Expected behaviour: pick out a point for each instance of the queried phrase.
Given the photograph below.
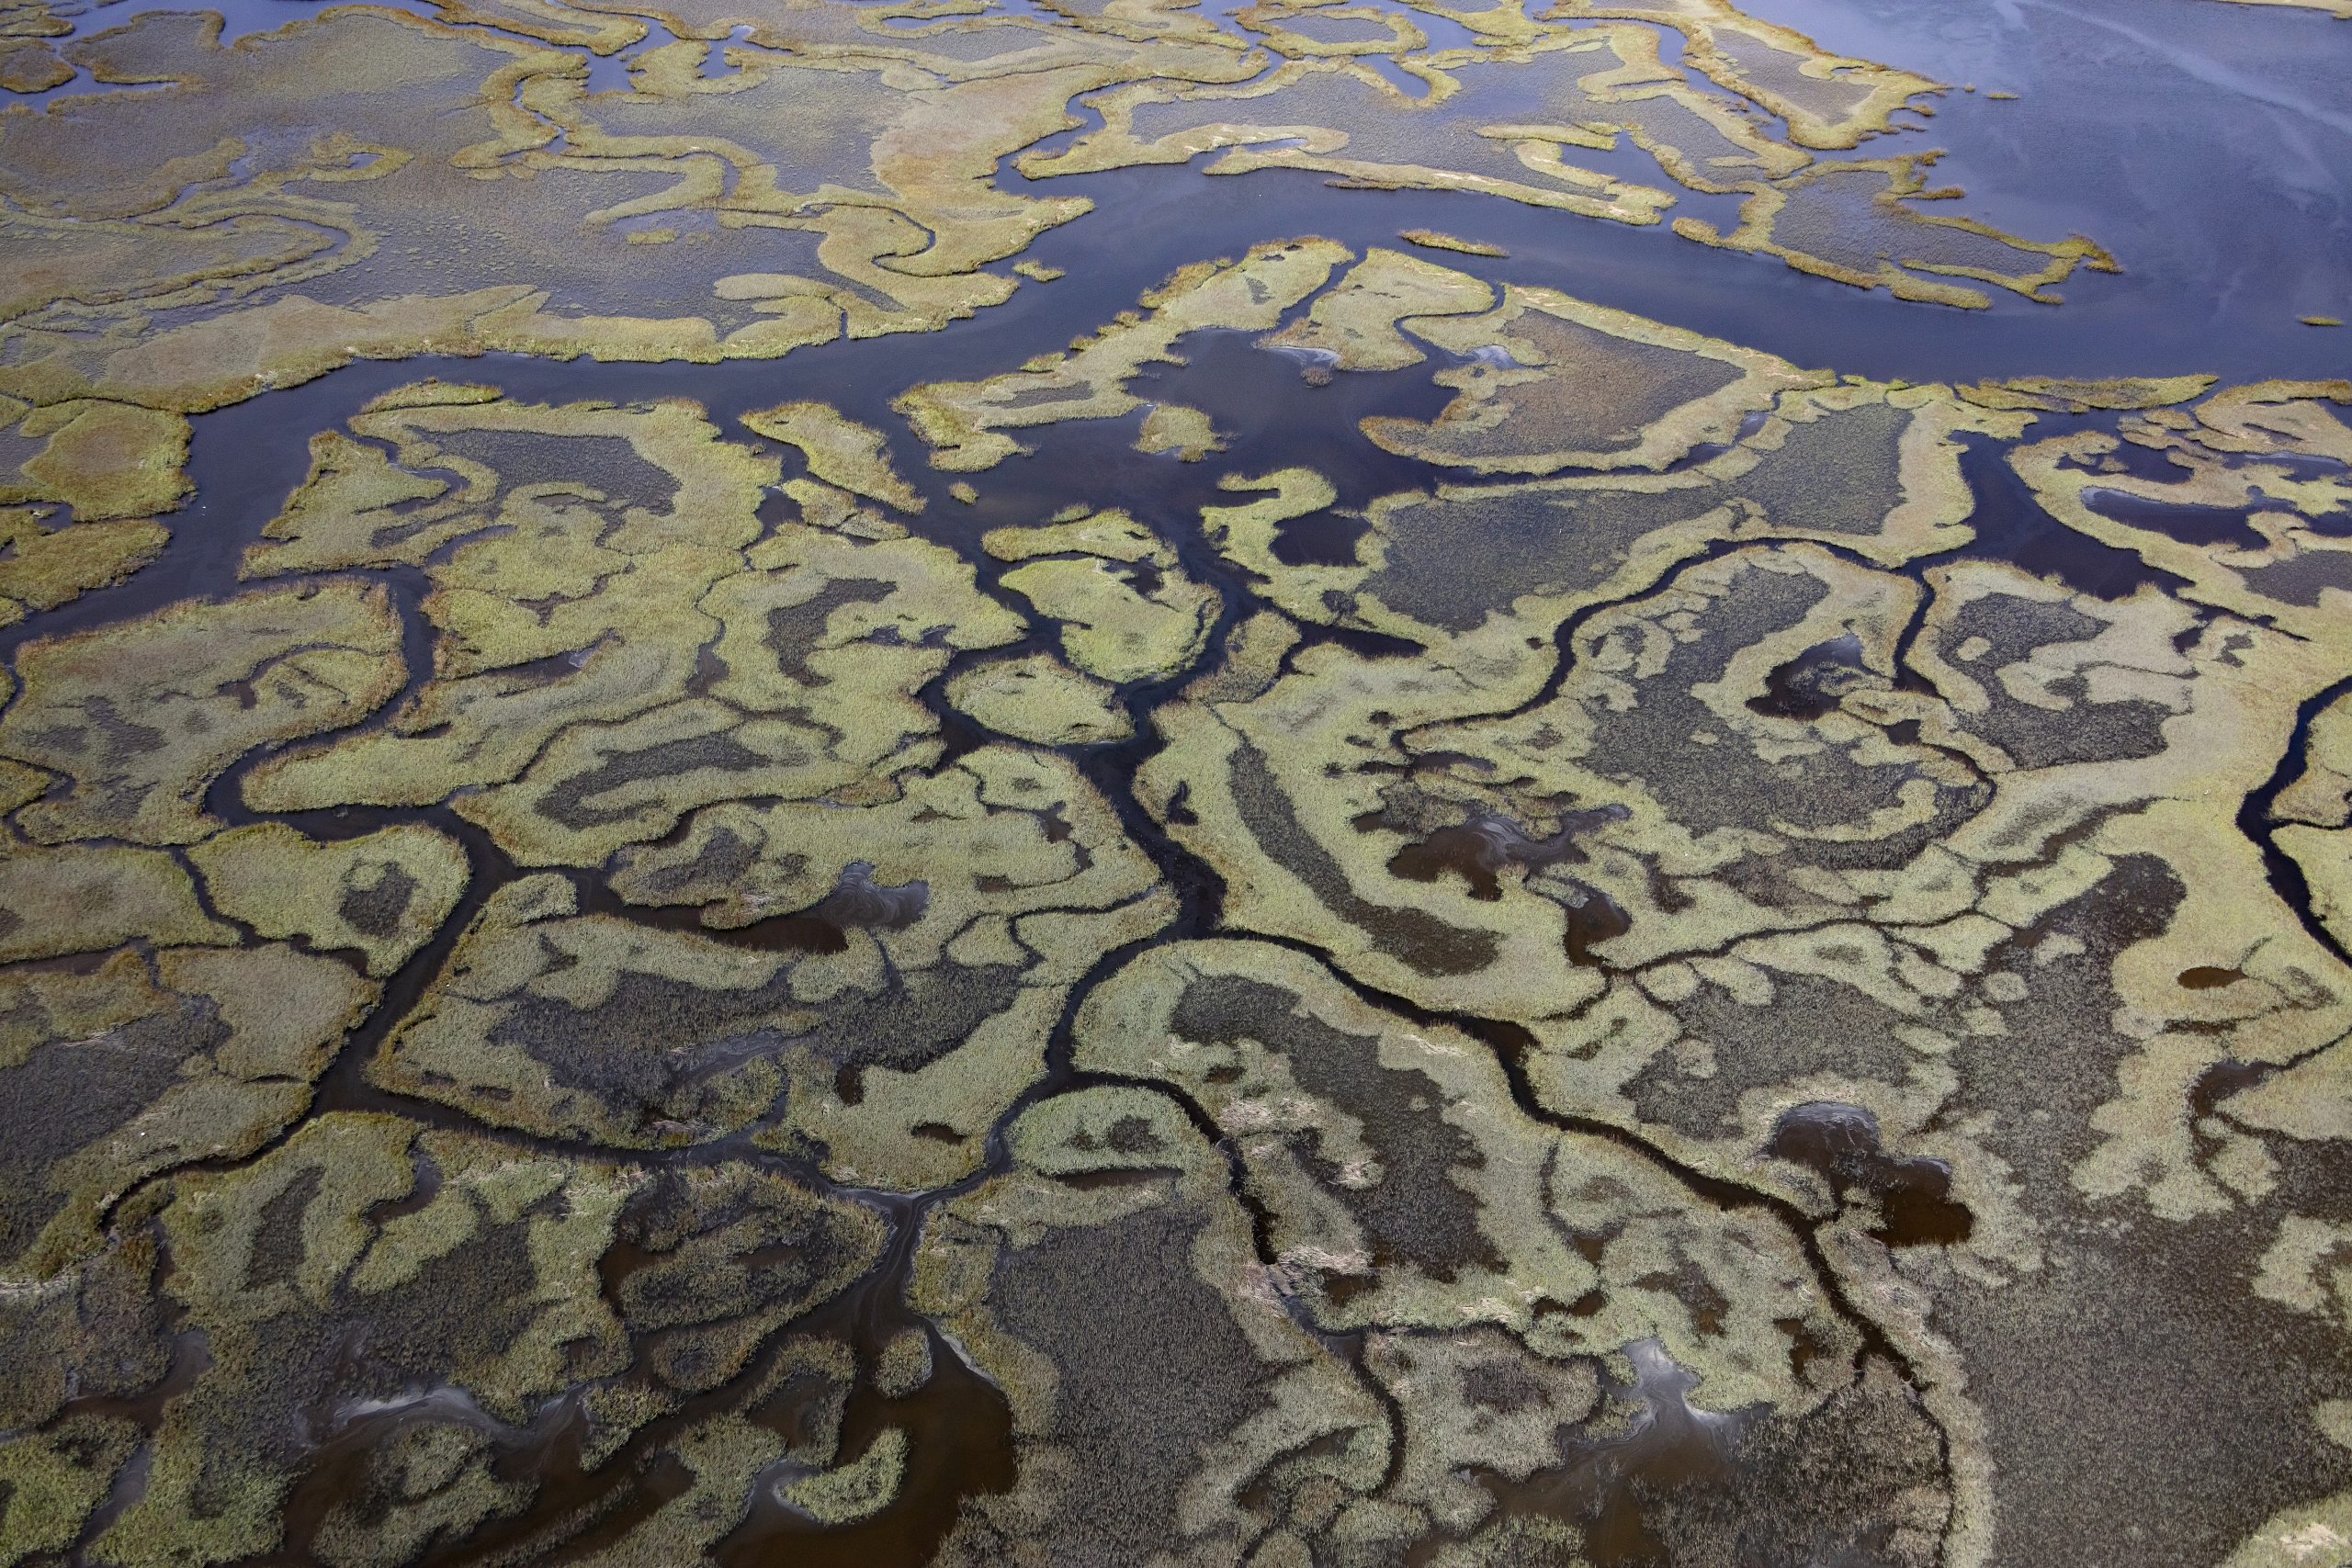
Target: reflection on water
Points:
(1658, 1443)
(2216, 137)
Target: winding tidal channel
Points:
(1340, 784)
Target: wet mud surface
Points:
(1311, 784)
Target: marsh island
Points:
(1341, 783)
